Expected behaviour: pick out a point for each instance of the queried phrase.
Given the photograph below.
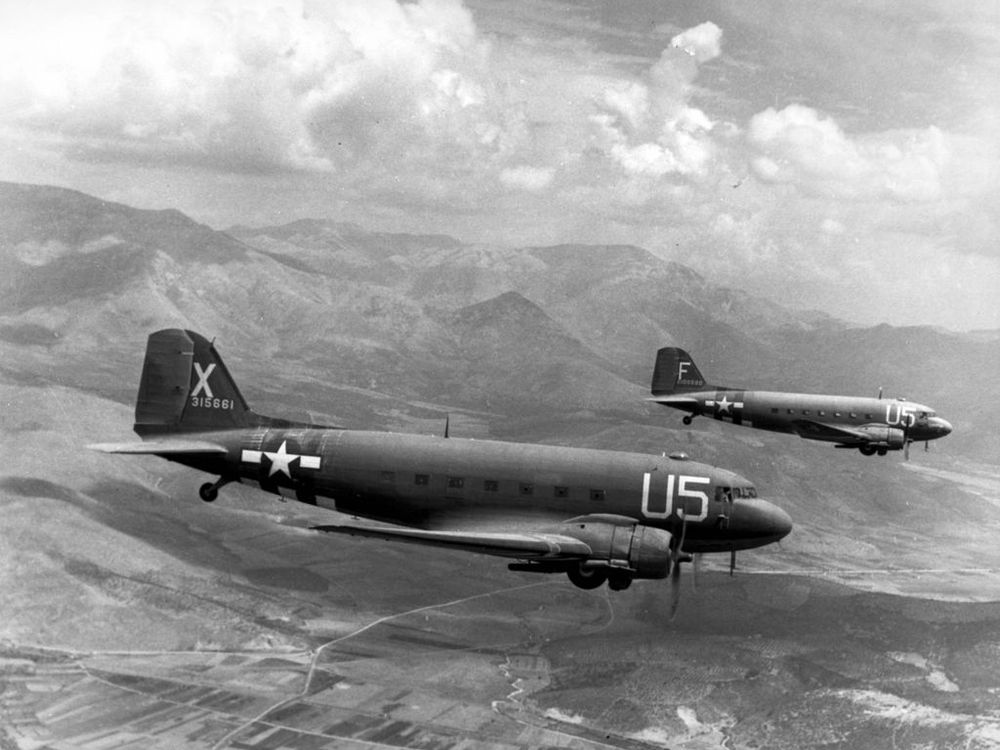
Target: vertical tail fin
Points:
(185, 387)
(675, 372)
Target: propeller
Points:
(906, 437)
(677, 556)
(732, 561)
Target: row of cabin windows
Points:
(820, 413)
(722, 494)
(489, 485)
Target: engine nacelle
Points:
(883, 436)
(642, 551)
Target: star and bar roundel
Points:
(727, 405)
(281, 461)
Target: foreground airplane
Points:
(598, 516)
(872, 425)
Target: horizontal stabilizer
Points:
(680, 401)
(160, 447)
(518, 545)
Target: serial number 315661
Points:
(204, 402)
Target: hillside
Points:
(163, 616)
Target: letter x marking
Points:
(203, 379)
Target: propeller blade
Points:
(695, 569)
(732, 561)
(675, 587)
(906, 450)
(676, 557)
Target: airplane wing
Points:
(811, 430)
(520, 545)
(160, 447)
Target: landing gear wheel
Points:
(867, 450)
(619, 581)
(688, 419)
(208, 492)
(883, 451)
(587, 578)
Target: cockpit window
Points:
(728, 494)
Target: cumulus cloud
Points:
(400, 97)
(799, 146)
(267, 85)
(703, 42)
(648, 127)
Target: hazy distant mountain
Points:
(333, 318)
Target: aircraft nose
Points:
(763, 521)
(941, 426)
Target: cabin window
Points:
(491, 485)
(525, 489)
(456, 483)
(597, 494)
(774, 410)
(421, 479)
(837, 414)
(821, 413)
(853, 415)
(806, 411)
(560, 491)
(791, 411)
(869, 416)
(723, 494)
(387, 476)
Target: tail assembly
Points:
(675, 372)
(185, 387)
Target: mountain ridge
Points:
(542, 330)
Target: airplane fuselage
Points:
(597, 516)
(872, 425)
(885, 423)
(435, 482)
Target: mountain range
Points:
(352, 317)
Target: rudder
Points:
(185, 387)
(674, 372)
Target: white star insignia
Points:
(281, 460)
(723, 405)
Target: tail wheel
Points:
(688, 419)
(587, 578)
(210, 490)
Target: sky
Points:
(835, 155)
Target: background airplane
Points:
(872, 425)
(598, 516)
